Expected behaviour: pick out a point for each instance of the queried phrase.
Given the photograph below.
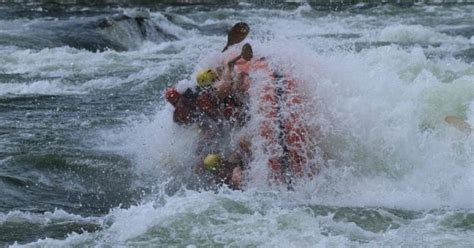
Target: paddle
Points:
(459, 124)
(246, 53)
(237, 34)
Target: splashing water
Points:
(90, 130)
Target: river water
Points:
(89, 154)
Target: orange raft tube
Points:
(282, 126)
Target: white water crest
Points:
(45, 218)
(266, 219)
(416, 34)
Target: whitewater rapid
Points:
(379, 83)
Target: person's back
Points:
(185, 108)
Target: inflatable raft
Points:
(277, 109)
(280, 112)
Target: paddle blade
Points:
(237, 34)
(247, 52)
(458, 123)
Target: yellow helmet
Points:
(212, 162)
(206, 77)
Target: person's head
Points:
(206, 77)
(172, 95)
(212, 162)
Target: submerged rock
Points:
(125, 32)
(119, 32)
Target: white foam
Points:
(101, 83)
(158, 146)
(390, 159)
(237, 218)
(42, 87)
(256, 218)
(72, 239)
(416, 34)
(168, 26)
(303, 8)
(45, 218)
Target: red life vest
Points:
(185, 108)
(189, 105)
(208, 103)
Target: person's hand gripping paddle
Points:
(237, 34)
(246, 53)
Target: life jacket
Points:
(230, 107)
(185, 108)
(191, 105)
(208, 103)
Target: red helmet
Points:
(172, 95)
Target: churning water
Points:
(90, 156)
